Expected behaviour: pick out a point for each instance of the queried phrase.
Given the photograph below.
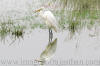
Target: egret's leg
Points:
(49, 35)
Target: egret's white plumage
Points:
(49, 18)
(50, 21)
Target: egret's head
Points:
(39, 10)
(43, 8)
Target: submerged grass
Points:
(18, 31)
(8, 28)
(74, 22)
(5, 29)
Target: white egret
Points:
(48, 52)
(50, 21)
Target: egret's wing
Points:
(50, 50)
(51, 20)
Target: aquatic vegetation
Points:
(72, 15)
(18, 31)
(5, 29)
(9, 29)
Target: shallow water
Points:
(30, 47)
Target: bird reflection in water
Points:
(48, 52)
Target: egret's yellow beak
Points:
(38, 10)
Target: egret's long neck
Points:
(41, 14)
